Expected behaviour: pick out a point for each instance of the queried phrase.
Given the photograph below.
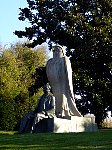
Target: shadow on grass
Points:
(79, 141)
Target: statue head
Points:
(58, 51)
(46, 88)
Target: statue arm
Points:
(51, 111)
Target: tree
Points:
(18, 66)
(85, 28)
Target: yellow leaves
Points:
(18, 65)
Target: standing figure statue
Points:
(59, 74)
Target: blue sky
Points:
(9, 22)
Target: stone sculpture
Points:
(57, 112)
(44, 109)
(59, 74)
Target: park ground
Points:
(100, 140)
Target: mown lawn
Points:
(101, 140)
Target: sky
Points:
(9, 22)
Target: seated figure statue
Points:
(44, 109)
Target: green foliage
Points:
(18, 66)
(85, 28)
(75, 21)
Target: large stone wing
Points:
(69, 81)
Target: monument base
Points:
(67, 125)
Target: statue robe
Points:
(59, 74)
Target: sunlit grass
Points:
(7, 132)
(101, 140)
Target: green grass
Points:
(101, 140)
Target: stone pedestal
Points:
(67, 125)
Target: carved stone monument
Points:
(68, 118)
(59, 73)
(57, 112)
